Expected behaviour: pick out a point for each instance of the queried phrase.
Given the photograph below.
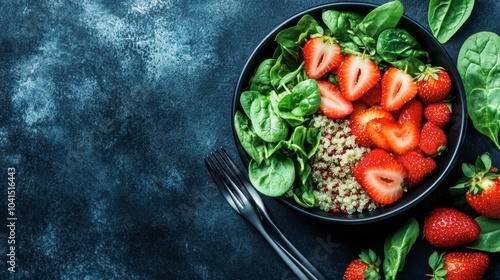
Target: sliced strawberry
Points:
(417, 165)
(398, 88)
(321, 55)
(358, 124)
(373, 157)
(374, 130)
(357, 75)
(358, 108)
(333, 104)
(413, 110)
(383, 182)
(402, 137)
(372, 96)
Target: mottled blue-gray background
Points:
(107, 109)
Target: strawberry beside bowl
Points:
(283, 134)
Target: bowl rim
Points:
(380, 213)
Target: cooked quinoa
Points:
(336, 189)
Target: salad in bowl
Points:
(349, 112)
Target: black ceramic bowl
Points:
(455, 130)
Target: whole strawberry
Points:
(459, 265)
(438, 113)
(365, 267)
(482, 182)
(446, 227)
(418, 166)
(433, 83)
(432, 139)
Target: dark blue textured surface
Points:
(107, 109)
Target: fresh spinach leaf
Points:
(479, 68)
(246, 99)
(445, 17)
(303, 100)
(396, 44)
(397, 246)
(341, 23)
(278, 71)
(249, 140)
(274, 176)
(304, 195)
(381, 18)
(267, 124)
(411, 65)
(489, 238)
(261, 79)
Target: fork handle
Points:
(295, 254)
(284, 255)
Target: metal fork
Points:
(232, 184)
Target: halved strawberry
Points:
(359, 121)
(357, 75)
(398, 88)
(358, 108)
(413, 110)
(373, 96)
(417, 165)
(402, 137)
(333, 104)
(373, 157)
(374, 130)
(383, 182)
(321, 55)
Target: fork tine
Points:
(221, 185)
(231, 183)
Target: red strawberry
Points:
(482, 183)
(372, 96)
(333, 104)
(382, 180)
(321, 55)
(373, 157)
(367, 266)
(358, 108)
(446, 227)
(438, 113)
(417, 165)
(402, 138)
(433, 83)
(432, 139)
(374, 130)
(398, 88)
(358, 124)
(459, 265)
(413, 110)
(357, 75)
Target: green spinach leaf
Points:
(249, 140)
(479, 68)
(304, 195)
(445, 17)
(489, 238)
(397, 246)
(303, 100)
(397, 44)
(266, 122)
(381, 18)
(246, 99)
(261, 79)
(341, 23)
(274, 176)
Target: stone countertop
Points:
(108, 108)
